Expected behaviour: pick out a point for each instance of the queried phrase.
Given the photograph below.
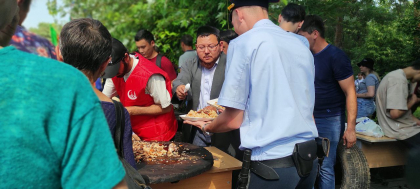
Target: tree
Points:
(168, 20)
(385, 30)
(43, 29)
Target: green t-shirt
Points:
(53, 132)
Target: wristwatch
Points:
(203, 128)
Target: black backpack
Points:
(132, 177)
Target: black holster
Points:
(243, 176)
(323, 147)
(304, 155)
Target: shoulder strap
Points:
(119, 128)
(158, 60)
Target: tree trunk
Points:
(417, 32)
(338, 40)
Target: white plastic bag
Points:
(368, 127)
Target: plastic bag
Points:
(366, 126)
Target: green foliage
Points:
(385, 30)
(168, 20)
(43, 30)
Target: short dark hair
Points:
(187, 40)
(85, 44)
(208, 30)
(228, 35)
(416, 64)
(312, 23)
(293, 13)
(144, 34)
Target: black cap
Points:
(241, 3)
(118, 52)
(367, 62)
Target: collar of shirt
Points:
(135, 62)
(262, 23)
(203, 68)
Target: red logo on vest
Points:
(131, 95)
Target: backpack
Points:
(132, 176)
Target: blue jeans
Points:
(289, 179)
(201, 140)
(333, 129)
(365, 107)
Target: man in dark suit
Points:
(205, 73)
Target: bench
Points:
(382, 152)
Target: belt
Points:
(265, 169)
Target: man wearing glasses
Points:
(205, 74)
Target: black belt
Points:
(265, 169)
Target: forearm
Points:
(154, 109)
(351, 106)
(230, 119)
(416, 120)
(395, 113)
(410, 104)
(364, 95)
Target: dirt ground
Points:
(388, 177)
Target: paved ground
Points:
(387, 178)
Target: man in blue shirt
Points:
(334, 93)
(269, 94)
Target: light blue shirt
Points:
(303, 39)
(206, 83)
(270, 75)
(205, 90)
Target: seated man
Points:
(205, 74)
(394, 102)
(145, 43)
(144, 90)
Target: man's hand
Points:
(210, 108)
(130, 109)
(198, 124)
(180, 92)
(135, 137)
(349, 138)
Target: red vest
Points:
(132, 93)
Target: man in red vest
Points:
(143, 89)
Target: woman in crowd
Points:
(366, 89)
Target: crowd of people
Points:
(283, 86)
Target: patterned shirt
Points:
(29, 42)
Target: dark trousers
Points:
(289, 179)
(412, 168)
(413, 142)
